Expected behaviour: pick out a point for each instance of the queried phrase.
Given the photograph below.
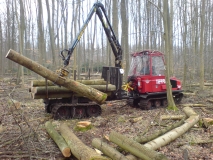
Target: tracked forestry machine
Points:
(145, 88)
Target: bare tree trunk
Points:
(1, 49)
(202, 19)
(21, 26)
(41, 39)
(125, 39)
(171, 103)
(51, 32)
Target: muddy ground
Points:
(23, 136)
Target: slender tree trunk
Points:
(51, 33)
(202, 19)
(171, 103)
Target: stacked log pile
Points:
(41, 89)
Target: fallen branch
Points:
(144, 139)
(172, 117)
(194, 105)
(175, 133)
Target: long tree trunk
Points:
(75, 86)
(202, 19)
(51, 34)
(78, 148)
(171, 103)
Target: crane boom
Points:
(115, 45)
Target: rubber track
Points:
(57, 106)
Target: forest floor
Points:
(23, 136)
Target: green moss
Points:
(83, 129)
(173, 108)
(121, 119)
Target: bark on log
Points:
(50, 89)
(56, 89)
(207, 122)
(134, 147)
(36, 83)
(189, 111)
(107, 149)
(194, 105)
(58, 139)
(44, 96)
(175, 133)
(144, 139)
(56, 95)
(77, 87)
(78, 148)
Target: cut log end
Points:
(66, 152)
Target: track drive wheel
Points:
(146, 104)
(78, 112)
(47, 108)
(157, 103)
(165, 103)
(93, 111)
(62, 112)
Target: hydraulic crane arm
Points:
(116, 47)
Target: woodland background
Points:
(40, 29)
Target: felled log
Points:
(210, 100)
(107, 149)
(55, 95)
(79, 88)
(58, 139)
(144, 139)
(78, 148)
(197, 84)
(194, 105)
(56, 89)
(172, 117)
(207, 122)
(36, 83)
(189, 94)
(175, 133)
(134, 147)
